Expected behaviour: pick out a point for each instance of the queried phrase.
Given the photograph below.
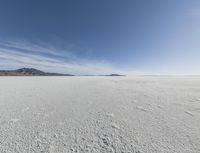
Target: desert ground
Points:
(140, 114)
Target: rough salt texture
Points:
(144, 114)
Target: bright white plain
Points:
(141, 114)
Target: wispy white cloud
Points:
(17, 54)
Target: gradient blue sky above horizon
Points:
(101, 36)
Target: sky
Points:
(91, 37)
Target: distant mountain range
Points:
(29, 72)
(35, 72)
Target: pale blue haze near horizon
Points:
(101, 36)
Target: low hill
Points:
(115, 75)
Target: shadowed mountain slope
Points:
(29, 72)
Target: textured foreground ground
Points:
(100, 114)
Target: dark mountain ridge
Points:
(29, 72)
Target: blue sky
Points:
(101, 36)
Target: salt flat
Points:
(141, 114)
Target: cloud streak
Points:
(17, 54)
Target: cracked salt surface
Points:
(100, 114)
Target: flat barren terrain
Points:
(144, 114)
